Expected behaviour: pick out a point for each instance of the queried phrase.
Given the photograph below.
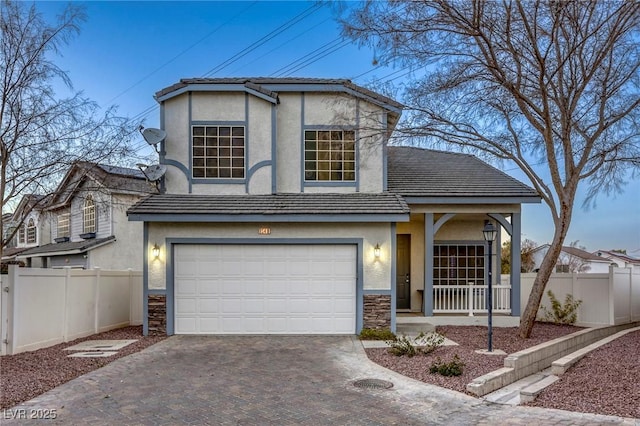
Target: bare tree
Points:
(527, 263)
(41, 135)
(571, 258)
(552, 86)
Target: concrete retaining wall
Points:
(539, 357)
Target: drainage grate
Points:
(373, 384)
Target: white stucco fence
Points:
(44, 307)
(607, 299)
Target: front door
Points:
(403, 270)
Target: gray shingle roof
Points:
(69, 246)
(279, 204)
(417, 172)
(256, 83)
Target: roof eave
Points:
(514, 199)
(275, 218)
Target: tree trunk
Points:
(542, 278)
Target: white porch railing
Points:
(469, 299)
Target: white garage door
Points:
(265, 289)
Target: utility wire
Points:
(295, 63)
(281, 45)
(183, 52)
(253, 46)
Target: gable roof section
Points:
(358, 207)
(267, 88)
(113, 179)
(67, 248)
(607, 254)
(575, 252)
(28, 203)
(429, 176)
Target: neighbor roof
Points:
(112, 178)
(66, 248)
(447, 176)
(621, 256)
(275, 208)
(270, 87)
(576, 252)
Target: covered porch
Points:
(442, 264)
(441, 256)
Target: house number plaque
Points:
(264, 230)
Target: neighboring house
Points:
(284, 211)
(622, 260)
(88, 223)
(33, 228)
(572, 259)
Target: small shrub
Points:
(452, 368)
(377, 334)
(423, 343)
(566, 313)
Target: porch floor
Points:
(417, 319)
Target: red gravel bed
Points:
(29, 374)
(605, 381)
(470, 339)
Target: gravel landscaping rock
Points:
(470, 339)
(29, 374)
(607, 381)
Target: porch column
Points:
(515, 263)
(427, 294)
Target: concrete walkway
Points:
(269, 380)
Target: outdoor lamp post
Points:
(490, 232)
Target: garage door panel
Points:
(209, 306)
(255, 289)
(187, 305)
(186, 325)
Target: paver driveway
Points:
(264, 380)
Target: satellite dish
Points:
(153, 136)
(155, 172)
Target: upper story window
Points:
(89, 215)
(31, 232)
(330, 155)
(64, 229)
(22, 234)
(218, 151)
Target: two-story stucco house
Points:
(87, 222)
(283, 210)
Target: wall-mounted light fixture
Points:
(376, 251)
(155, 251)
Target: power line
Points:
(283, 70)
(183, 52)
(253, 46)
(283, 44)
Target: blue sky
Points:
(127, 51)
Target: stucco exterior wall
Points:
(176, 144)
(126, 251)
(288, 155)
(466, 227)
(377, 272)
(295, 112)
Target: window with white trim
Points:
(31, 232)
(218, 152)
(458, 264)
(89, 215)
(22, 234)
(63, 229)
(330, 155)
